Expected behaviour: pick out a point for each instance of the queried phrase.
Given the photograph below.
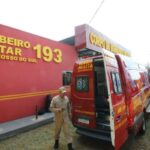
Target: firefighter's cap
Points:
(62, 90)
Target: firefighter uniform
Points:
(60, 105)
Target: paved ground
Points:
(12, 128)
(42, 139)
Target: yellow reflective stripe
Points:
(121, 123)
(25, 95)
(85, 112)
(31, 94)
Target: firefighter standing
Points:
(61, 107)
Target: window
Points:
(67, 77)
(133, 72)
(116, 82)
(134, 79)
(82, 83)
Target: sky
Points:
(124, 21)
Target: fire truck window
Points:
(134, 80)
(82, 83)
(116, 82)
(67, 77)
(133, 73)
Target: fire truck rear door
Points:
(118, 115)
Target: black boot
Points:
(56, 145)
(70, 146)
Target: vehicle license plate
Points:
(83, 120)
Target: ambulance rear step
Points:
(98, 134)
(103, 125)
(102, 119)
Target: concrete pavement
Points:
(12, 128)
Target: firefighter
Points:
(60, 105)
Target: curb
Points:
(13, 128)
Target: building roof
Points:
(70, 40)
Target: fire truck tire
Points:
(143, 127)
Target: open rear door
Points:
(110, 107)
(118, 114)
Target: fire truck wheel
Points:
(143, 126)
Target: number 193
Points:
(46, 53)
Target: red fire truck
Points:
(32, 67)
(110, 93)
